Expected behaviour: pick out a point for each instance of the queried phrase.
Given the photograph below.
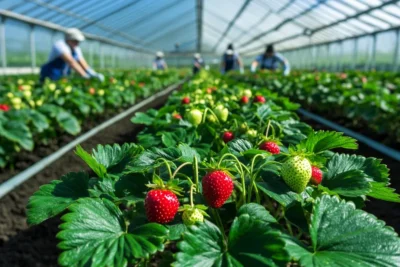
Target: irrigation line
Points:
(390, 152)
(23, 176)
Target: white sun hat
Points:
(74, 34)
(229, 52)
(160, 54)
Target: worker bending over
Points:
(66, 55)
(159, 63)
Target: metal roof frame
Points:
(357, 15)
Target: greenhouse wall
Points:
(378, 51)
(25, 47)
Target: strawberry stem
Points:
(218, 220)
(266, 132)
(179, 168)
(191, 195)
(196, 173)
(205, 114)
(240, 171)
(168, 168)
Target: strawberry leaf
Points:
(97, 167)
(149, 159)
(252, 241)
(342, 234)
(116, 157)
(94, 233)
(381, 191)
(323, 140)
(143, 118)
(238, 146)
(188, 153)
(51, 199)
(17, 132)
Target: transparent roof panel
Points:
(249, 24)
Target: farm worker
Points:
(159, 63)
(231, 60)
(198, 63)
(66, 54)
(270, 60)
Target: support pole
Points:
(33, 47)
(373, 57)
(396, 51)
(3, 51)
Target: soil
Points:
(25, 246)
(21, 245)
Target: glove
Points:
(241, 70)
(99, 76)
(86, 76)
(253, 68)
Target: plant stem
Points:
(180, 167)
(191, 195)
(269, 124)
(168, 167)
(218, 220)
(196, 173)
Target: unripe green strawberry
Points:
(296, 172)
(194, 116)
(221, 112)
(192, 216)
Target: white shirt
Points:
(60, 48)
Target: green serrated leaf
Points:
(116, 157)
(51, 199)
(381, 191)
(188, 153)
(342, 235)
(17, 132)
(97, 167)
(238, 146)
(68, 122)
(256, 212)
(94, 233)
(323, 140)
(143, 118)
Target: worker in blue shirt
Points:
(198, 63)
(159, 63)
(66, 55)
(271, 60)
(231, 60)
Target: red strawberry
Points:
(92, 91)
(217, 188)
(244, 99)
(161, 205)
(209, 91)
(259, 99)
(185, 100)
(4, 107)
(177, 116)
(271, 147)
(228, 136)
(316, 175)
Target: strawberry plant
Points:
(32, 113)
(181, 196)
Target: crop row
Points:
(222, 175)
(32, 113)
(367, 101)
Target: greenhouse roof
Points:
(209, 25)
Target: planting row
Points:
(32, 113)
(367, 101)
(222, 175)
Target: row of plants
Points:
(33, 113)
(366, 100)
(222, 175)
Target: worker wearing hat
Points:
(198, 63)
(66, 55)
(271, 60)
(231, 60)
(159, 63)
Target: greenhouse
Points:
(199, 133)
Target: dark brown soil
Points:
(21, 245)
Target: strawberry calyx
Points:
(171, 185)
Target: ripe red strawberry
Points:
(271, 147)
(209, 91)
(185, 100)
(217, 188)
(228, 136)
(259, 99)
(244, 99)
(316, 175)
(177, 116)
(161, 205)
(4, 107)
